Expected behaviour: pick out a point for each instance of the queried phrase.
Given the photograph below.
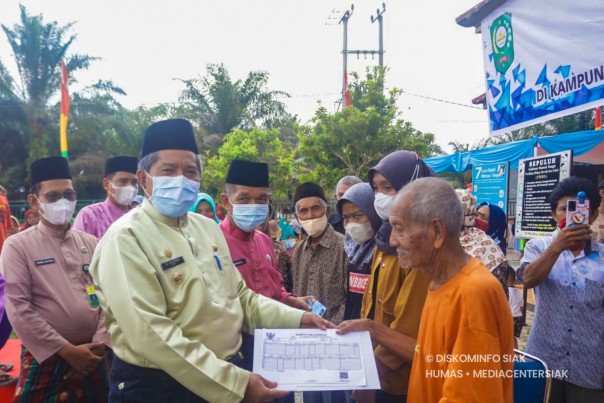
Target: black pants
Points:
(566, 392)
(132, 384)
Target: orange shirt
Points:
(465, 347)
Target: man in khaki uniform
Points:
(175, 303)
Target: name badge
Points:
(239, 262)
(171, 263)
(43, 262)
(92, 297)
(357, 282)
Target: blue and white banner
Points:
(490, 184)
(543, 59)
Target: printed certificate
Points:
(312, 359)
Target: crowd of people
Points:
(155, 297)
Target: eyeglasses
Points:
(356, 216)
(52, 197)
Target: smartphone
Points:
(577, 212)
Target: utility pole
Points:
(380, 21)
(344, 21)
(345, 52)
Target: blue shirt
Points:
(568, 329)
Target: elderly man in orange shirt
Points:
(464, 350)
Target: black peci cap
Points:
(50, 168)
(171, 134)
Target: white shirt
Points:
(516, 301)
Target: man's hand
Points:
(571, 237)
(262, 390)
(312, 321)
(356, 325)
(82, 358)
(299, 302)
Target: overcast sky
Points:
(146, 45)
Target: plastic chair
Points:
(529, 388)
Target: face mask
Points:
(173, 195)
(314, 226)
(123, 194)
(382, 204)
(59, 212)
(360, 233)
(481, 225)
(248, 216)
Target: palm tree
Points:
(39, 48)
(220, 104)
(458, 146)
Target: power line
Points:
(441, 100)
(323, 94)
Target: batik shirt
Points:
(323, 272)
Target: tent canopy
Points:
(587, 146)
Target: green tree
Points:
(353, 140)
(218, 104)
(102, 128)
(39, 48)
(262, 145)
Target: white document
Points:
(312, 359)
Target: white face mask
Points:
(123, 194)
(382, 204)
(59, 212)
(315, 226)
(360, 233)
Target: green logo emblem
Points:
(503, 42)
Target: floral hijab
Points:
(475, 241)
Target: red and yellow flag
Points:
(64, 109)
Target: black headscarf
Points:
(399, 168)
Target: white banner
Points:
(543, 59)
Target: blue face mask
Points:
(249, 216)
(173, 195)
